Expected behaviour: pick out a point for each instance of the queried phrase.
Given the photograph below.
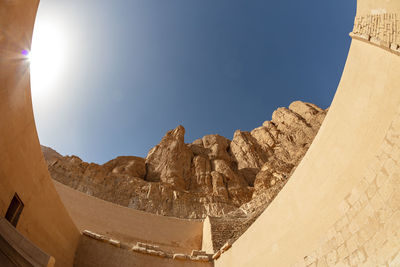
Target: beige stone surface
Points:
(44, 220)
(129, 225)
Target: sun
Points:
(47, 57)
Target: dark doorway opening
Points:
(14, 210)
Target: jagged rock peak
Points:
(170, 160)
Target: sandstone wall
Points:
(44, 220)
(131, 226)
(341, 206)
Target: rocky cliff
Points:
(213, 176)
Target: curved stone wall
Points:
(342, 206)
(44, 219)
(131, 226)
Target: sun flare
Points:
(47, 57)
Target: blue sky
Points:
(134, 69)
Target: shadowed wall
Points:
(44, 219)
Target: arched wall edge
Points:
(44, 219)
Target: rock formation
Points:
(213, 176)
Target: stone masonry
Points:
(368, 233)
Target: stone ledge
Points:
(153, 250)
(223, 249)
(391, 47)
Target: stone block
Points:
(356, 208)
(198, 252)
(371, 191)
(394, 46)
(226, 246)
(386, 190)
(363, 215)
(331, 233)
(370, 249)
(370, 175)
(92, 235)
(352, 244)
(394, 201)
(158, 253)
(139, 249)
(353, 227)
(309, 259)
(332, 258)
(179, 256)
(361, 255)
(366, 37)
(343, 252)
(114, 242)
(377, 202)
(387, 147)
(354, 196)
(345, 233)
(147, 246)
(381, 178)
(379, 239)
(392, 226)
(217, 255)
(384, 214)
(339, 239)
(342, 222)
(383, 157)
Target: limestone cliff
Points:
(213, 176)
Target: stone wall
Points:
(368, 232)
(127, 225)
(382, 29)
(44, 220)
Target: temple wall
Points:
(129, 225)
(44, 220)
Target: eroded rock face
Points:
(213, 176)
(170, 161)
